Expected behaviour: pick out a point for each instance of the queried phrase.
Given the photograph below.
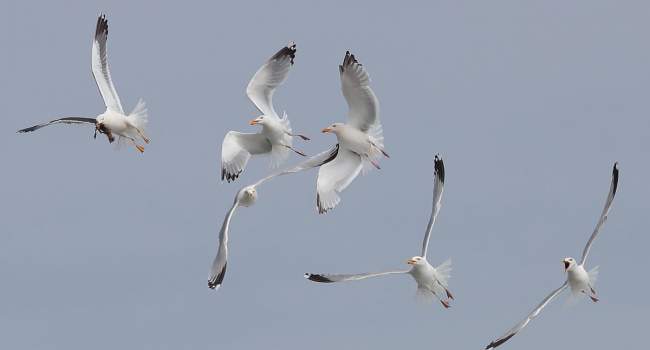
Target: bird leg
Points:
(139, 147)
(449, 294)
(305, 138)
(445, 304)
(591, 296)
(295, 150)
(144, 137)
(373, 163)
(380, 149)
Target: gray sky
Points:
(529, 104)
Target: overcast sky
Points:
(529, 103)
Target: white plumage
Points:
(578, 279)
(113, 121)
(276, 136)
(360, 141)
(431, 281)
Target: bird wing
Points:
(237, 149)
(273, 73)
(355, 83)
(519, 326)
(66, 120)
(100, 67)
(603, 215)
(312, 162)
(334, 177)
(330, 278)
(438, 187)
(218, 271)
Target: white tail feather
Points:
(139, 116)
(443, 272)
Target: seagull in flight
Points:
(276, 135)
(360, 141)
(431, 281)
(246, 197)
(579, 280)
(113, 121)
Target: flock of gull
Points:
(359, 147)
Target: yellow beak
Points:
(253, 122)
(327, 130)
(410, 262)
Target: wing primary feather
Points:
(603, 216)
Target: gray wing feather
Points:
(603, 215)
(330, 278)
(66, 120)
(438, 187)
(519, 326)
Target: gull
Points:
(113, 121)
(361, 140)
(246, 197)
(431, 281)
(578, 279)
(276, 135)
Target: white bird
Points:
(113, 121)
(361, 140)
(276, 135)
(431, 281)
(578, 279)
(246, 197)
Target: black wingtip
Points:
(317, 278)
(615, 178)
(439, 168)
(102, 25)
(228, 176)
(287, 51)
(494, 344)
(216, 282)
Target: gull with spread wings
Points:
(578, 279)
(246, 197)
(113, 121)
(276, 135)
(431, 281)
(360, 141)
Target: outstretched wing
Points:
(438, 186)
(330, 278)
(519, 326)
(313, 162)
(355, 83)
(218, 271)
(273, 73)
(603, 215)
(237, 149)
(66, 120)
(334, 177)
(100, 67)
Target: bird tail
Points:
(376, 136)
(139, 116)
(280, 153)
(443, 272)
(593, 276)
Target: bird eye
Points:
(333, 126)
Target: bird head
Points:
(334, 128)
(569, 263)
(247, 196)
(415, 261)
(259, 120)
